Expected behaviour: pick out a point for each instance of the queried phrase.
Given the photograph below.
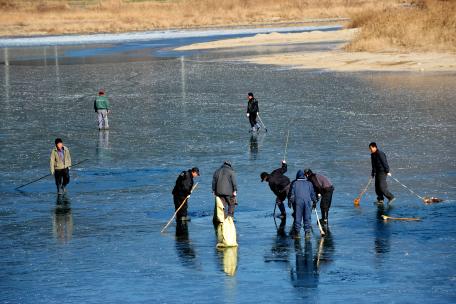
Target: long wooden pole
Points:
(175, 213)
(322, 232)
(38, 179)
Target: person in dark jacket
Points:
(302, 195)
(279, 184)
(252, 112)
(380, 170)
(224, 186)
(182, 189)
(324, 189)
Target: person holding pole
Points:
(279, 184)
(252, 112)
(182, 189)
(380, 170)
(60, 165)
(324, 189)
(101, 106)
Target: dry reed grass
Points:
(425, 25)
(28, 17)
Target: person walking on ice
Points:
(252, 112)
(102, 107)
(380, 170)
(60, 164)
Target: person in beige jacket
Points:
(60, 165)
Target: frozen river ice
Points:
(172, 111)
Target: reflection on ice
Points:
(184, 247)
(62, 224)
(305, 273)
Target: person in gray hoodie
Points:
(224, 185)
(60, 164)
(301, 196)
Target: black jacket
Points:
(184, 184)
(278, 181)
(379, 163)
(224, 181)
(252, 106)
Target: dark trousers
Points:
(229, 203)
(62, 177)
(381, 187)
(325, 203)
(281, 198)
(252, 119)
(178, 200)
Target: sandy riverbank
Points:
(336, 60)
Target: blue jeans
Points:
(303, 211)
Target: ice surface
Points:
(101, 244)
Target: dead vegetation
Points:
(425, 25)
(28, 17)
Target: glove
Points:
(389, 174)
(248, 114)
(314, 205)
(234, 193)
(319, 195)
(258, 113)
(284, 161)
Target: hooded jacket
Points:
(184, 184)
(379, 163)
(224, 181)
(277, 180)
(56, 163)
(301, 190)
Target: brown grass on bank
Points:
(35, 17)
(424, 25)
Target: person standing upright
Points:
(182, 189)
(252, 112)
(324, 188)
(102, 107)
(301, 196)
(380, 170)
(60, 164)
(224, 186)
(279, 184)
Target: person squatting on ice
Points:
(60, 164)
(380, 170)
(301, 196)
(101, 106)
(324, 188)
(279, 184)
(182, 189)
(224, 186)
(252, 112)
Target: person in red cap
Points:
(102, 107)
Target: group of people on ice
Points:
(303, 193)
